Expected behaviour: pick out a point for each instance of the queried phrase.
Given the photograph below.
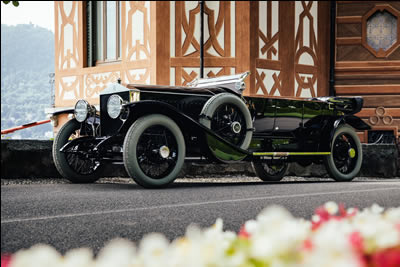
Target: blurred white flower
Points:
(331, 207)
(393, 215)
(153, 250)
(274, 239)
(315, 218)
(118, 252)
(331, 246)
(37, 256)
(375, 208)
(82, 257)
(250, 226)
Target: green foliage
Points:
(27, 58)
(15, 3)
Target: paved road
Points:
(69, 216)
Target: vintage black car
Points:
(153, 129)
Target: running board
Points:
(285, 154)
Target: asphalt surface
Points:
(68, 216)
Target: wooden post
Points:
(287, 47)
(242, 41)
(160, 42)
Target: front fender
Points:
(147, 107)
(77, 141)
(186, 123)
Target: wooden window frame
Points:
(380, 53)
(117, 44)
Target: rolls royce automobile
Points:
(153, 129)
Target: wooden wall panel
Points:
(353, 8)
(351, 52)
(348, 30)
(219, 56)
(74, 80)
(290, 43)
(359, 71)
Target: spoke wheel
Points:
(270, 171)
(154, 151)
(227, 122)
(345, 160)
(73, 164)
(157, 152)
(227, 116)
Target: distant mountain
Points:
(27, 58)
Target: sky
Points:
(36, 12)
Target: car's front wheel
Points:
(154, 151)
(73, 163)
(345, 160)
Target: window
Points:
(381, 30)
(104, 32)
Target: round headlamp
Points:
(81, 110)
(114, 106)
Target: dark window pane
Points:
(99, 32)
(120, 33)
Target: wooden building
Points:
(285, 44)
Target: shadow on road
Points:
(185, 184)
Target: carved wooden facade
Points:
(365, 69)
(285, 45)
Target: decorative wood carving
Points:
(292, 60)
(306, 75)
(67, 35)
(217, 46)
(95, 83)
(381, 116)
(135, 49)
(74, 80)
(268, 63)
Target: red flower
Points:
(5, 260)
(243, 233)
(386, 258)
(357, 241)
(325, 216)
(308, 245)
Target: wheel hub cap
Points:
(352, 152)
(236, 127)
(164, 152)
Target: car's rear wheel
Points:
(345, 160)
(268, 171)
(154, 151)
(228, 116)
(73, 163)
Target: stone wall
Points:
(33, 159)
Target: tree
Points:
(15, 3)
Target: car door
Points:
(312, 124)
(288, 117)
(263, 112)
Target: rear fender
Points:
(333, 124)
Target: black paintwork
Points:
(284, 125)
